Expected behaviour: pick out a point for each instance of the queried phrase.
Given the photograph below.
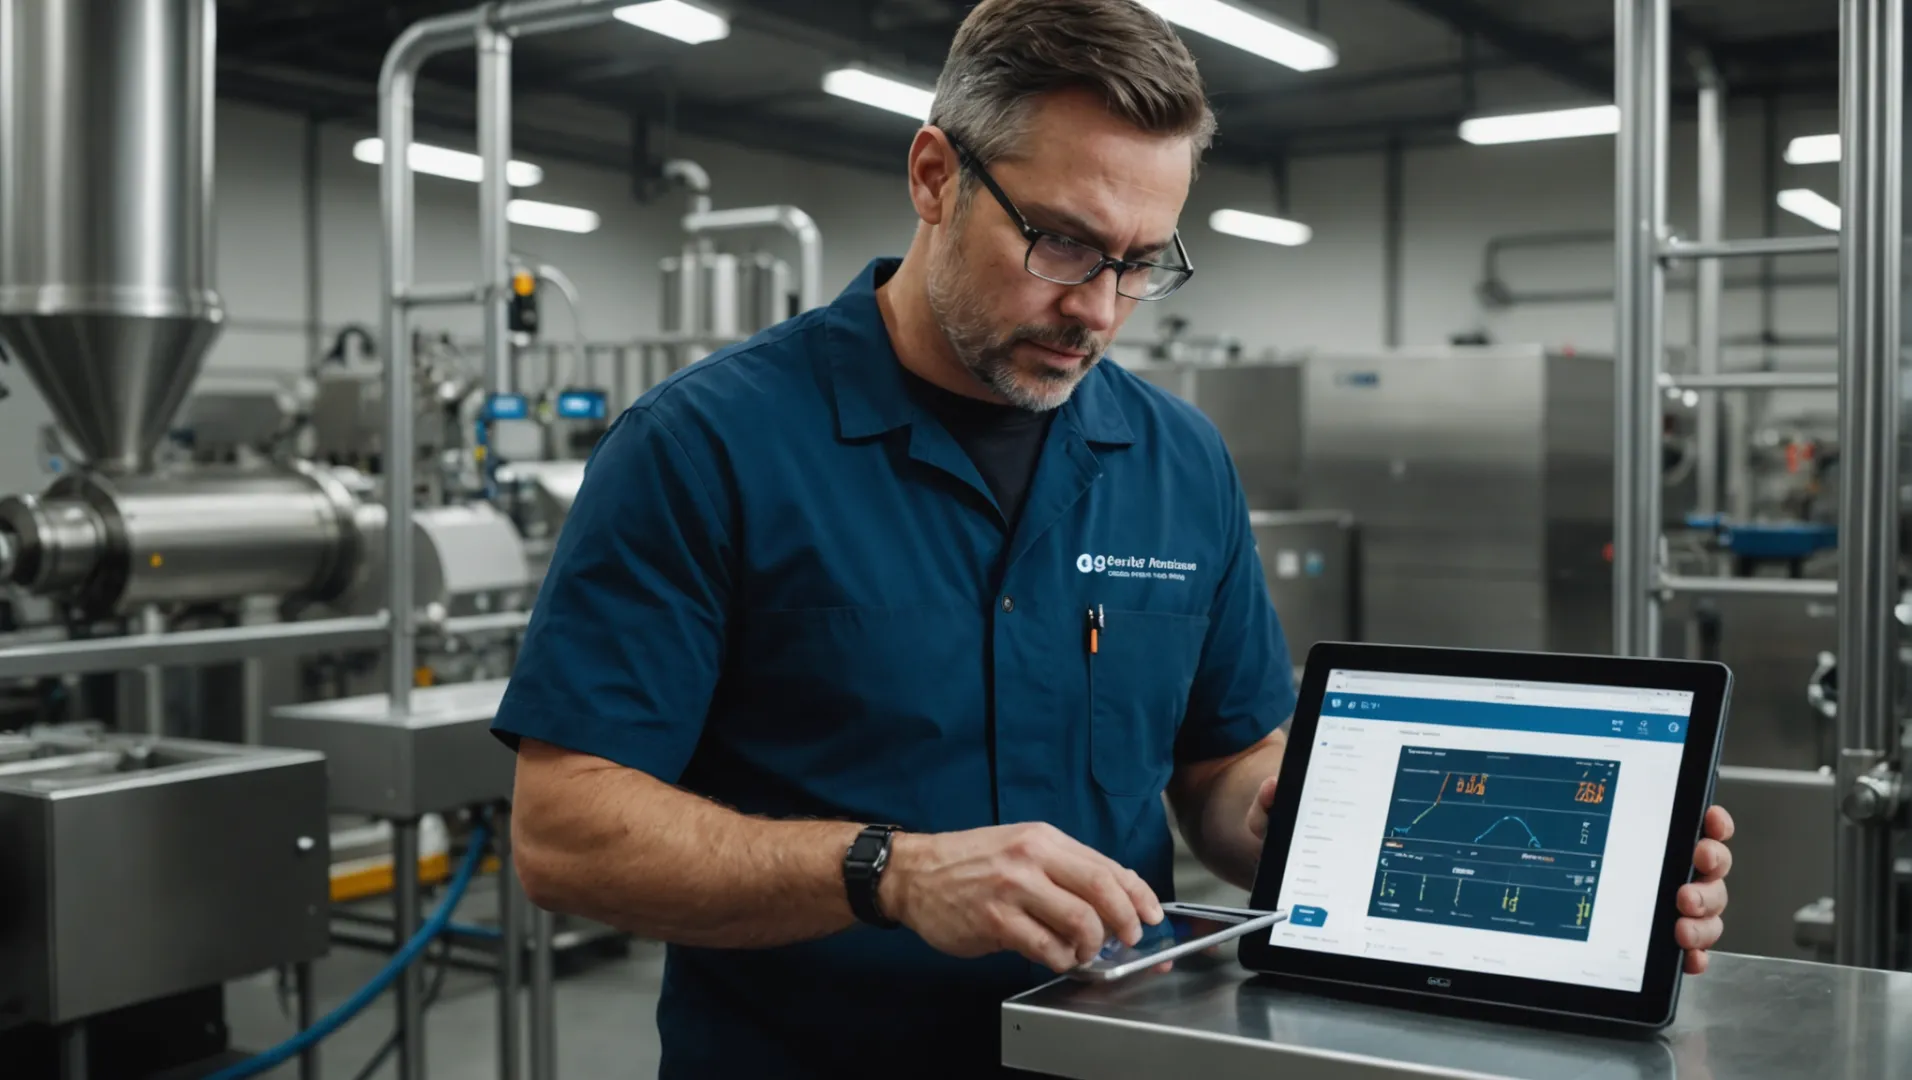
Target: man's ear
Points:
(933, 172)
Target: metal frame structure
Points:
(1870, 275)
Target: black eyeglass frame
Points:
(1103, 259)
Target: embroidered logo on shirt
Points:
(1135, 566)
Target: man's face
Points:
(1084, 174)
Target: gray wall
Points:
(1328, 294)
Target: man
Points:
(856, 572)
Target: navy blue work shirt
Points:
(784, 586)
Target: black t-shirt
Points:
(1004, 442)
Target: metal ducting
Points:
(106, 157)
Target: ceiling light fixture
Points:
(1813, 150)
(1812, 206)
(452, 164)
(1251, 31)
(1535, 126)
(880, 91)
(687, 23)
(1269, 230)
(544, 215)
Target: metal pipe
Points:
(1871, 183)
(303, 989)
(544, 1010)
(152, 677)
(411, 981)
(1807, 588)
(191, 647)
(788, 218)
(397, 85)
(510, 955)
(1639, 277)
(492, 622)
(695, 180)
(494, 192)
(1754, 380)
(1708, 294)
(1748, 249)
(447, 295)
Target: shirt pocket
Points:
(1140, 675)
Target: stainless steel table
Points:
(1750, 1018)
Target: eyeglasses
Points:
(1065, 261)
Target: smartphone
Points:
(1184, 929)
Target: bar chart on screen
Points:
(1509, 842)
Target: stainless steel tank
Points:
(112, 544)
(106, 160)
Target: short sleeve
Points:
(626, 640)
(1245, 686)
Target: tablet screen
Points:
(1513, 828)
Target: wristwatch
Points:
(863, 867)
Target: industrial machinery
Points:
(138, 870)
(1482, 479)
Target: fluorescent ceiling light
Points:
(880, 91)
(454, 164)
(1534, 126)
(544, 215)
(676, 19)
(1812, 206)
(1264, 35)
(1813, 150)
(1269, 230)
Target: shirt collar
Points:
(867, 378)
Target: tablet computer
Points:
(1503, 832)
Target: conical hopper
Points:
(114, 382)
(106, 212)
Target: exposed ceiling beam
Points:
(1562, 57)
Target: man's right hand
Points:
(1026, 888)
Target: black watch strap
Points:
(863, 867)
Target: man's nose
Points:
(1094, 302)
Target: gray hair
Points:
(1008, 53)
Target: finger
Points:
(1147, 904)
(1712, 859)
(1697, 961)
(1701, 899)
(1102, 885)
(1698, 933)
(1265, 798)
(1067, 916)
(1034, 940)
(1719, 824)
(1069, 861)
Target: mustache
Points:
(1072, 338)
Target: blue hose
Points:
(332, 1021)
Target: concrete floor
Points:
(606, 1010)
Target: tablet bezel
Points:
(1653, 1005)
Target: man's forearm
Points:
(1214, 811)
(615, 845)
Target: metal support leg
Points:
(152, 678)
(544, 1011)
(73, 1051)
(411, 988)
(307, 1010)
(1870, 258)
(1640, 89)
(511, 907)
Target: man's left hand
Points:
(1701, 902)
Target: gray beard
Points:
(990, 359)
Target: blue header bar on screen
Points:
(1601, 723)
